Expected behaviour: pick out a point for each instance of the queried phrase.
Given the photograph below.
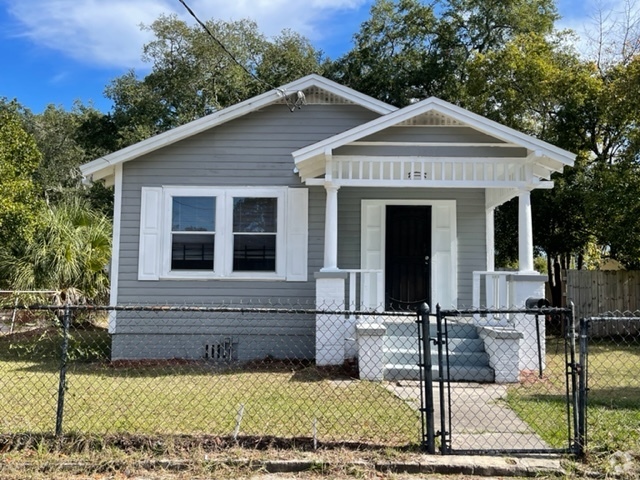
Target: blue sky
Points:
(58, 51)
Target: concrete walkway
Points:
(480, 418)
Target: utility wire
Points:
(291, 105)
(221, 45)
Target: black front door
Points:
(408, 256)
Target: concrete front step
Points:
(410, 329)
(410, 356)
(457, 373)
(468, 360)
(455, 344)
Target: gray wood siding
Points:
(254, 150)
(431, 134)
(470, 227)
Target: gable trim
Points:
(471, 119)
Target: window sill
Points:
(236, 277)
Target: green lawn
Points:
(279, 399)
(613, 413)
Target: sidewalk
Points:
(480, 419)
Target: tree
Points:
(19, 159)
(394, 58)
(69, 252)
(409, 50)
(54, 131)
(192, 75)
(288, 57)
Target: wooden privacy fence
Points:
(596, 292)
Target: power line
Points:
(222, 46)
(300, 98)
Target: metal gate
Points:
(486, 387)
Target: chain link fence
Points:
(501, 381)
(228, 371)
(294, 372)
(612, 345)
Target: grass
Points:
(283, 399)
(613, 413)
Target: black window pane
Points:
(254, 215)
(193, 214)
(254, 253)
(192, 252)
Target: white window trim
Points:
(223, 254)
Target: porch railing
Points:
(491, 290)
(448, 169)
(364, 290)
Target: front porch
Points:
(485, 348)
(409, 218)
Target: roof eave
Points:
(473, 120)
(235, 111)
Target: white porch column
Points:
(525, 232)
(490, 240)
(331, 229)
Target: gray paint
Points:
(249, 151)
(254, 150)
(428, 151)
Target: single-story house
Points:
(316, 192)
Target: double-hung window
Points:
(193, 233)
(255, 234)
(223, 232)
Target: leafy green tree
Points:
(192, 75)
(69, 253)
(54, 131)
(394, 57)
(288, 57)
(409, 49)
(19, 159)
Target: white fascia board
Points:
(230, 113)
(473, 120)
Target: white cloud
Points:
(108, 33)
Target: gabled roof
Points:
(554, 158)
(104, 166)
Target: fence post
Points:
(581, 437)
(62, 385)
(428, 379)
(572, 370)
(442, 340)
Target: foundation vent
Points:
(219, 350)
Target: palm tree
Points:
(69, 253)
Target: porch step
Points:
(468, 361)
(460, 373)
(410, 329)
(409, 356)
(455, 344)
